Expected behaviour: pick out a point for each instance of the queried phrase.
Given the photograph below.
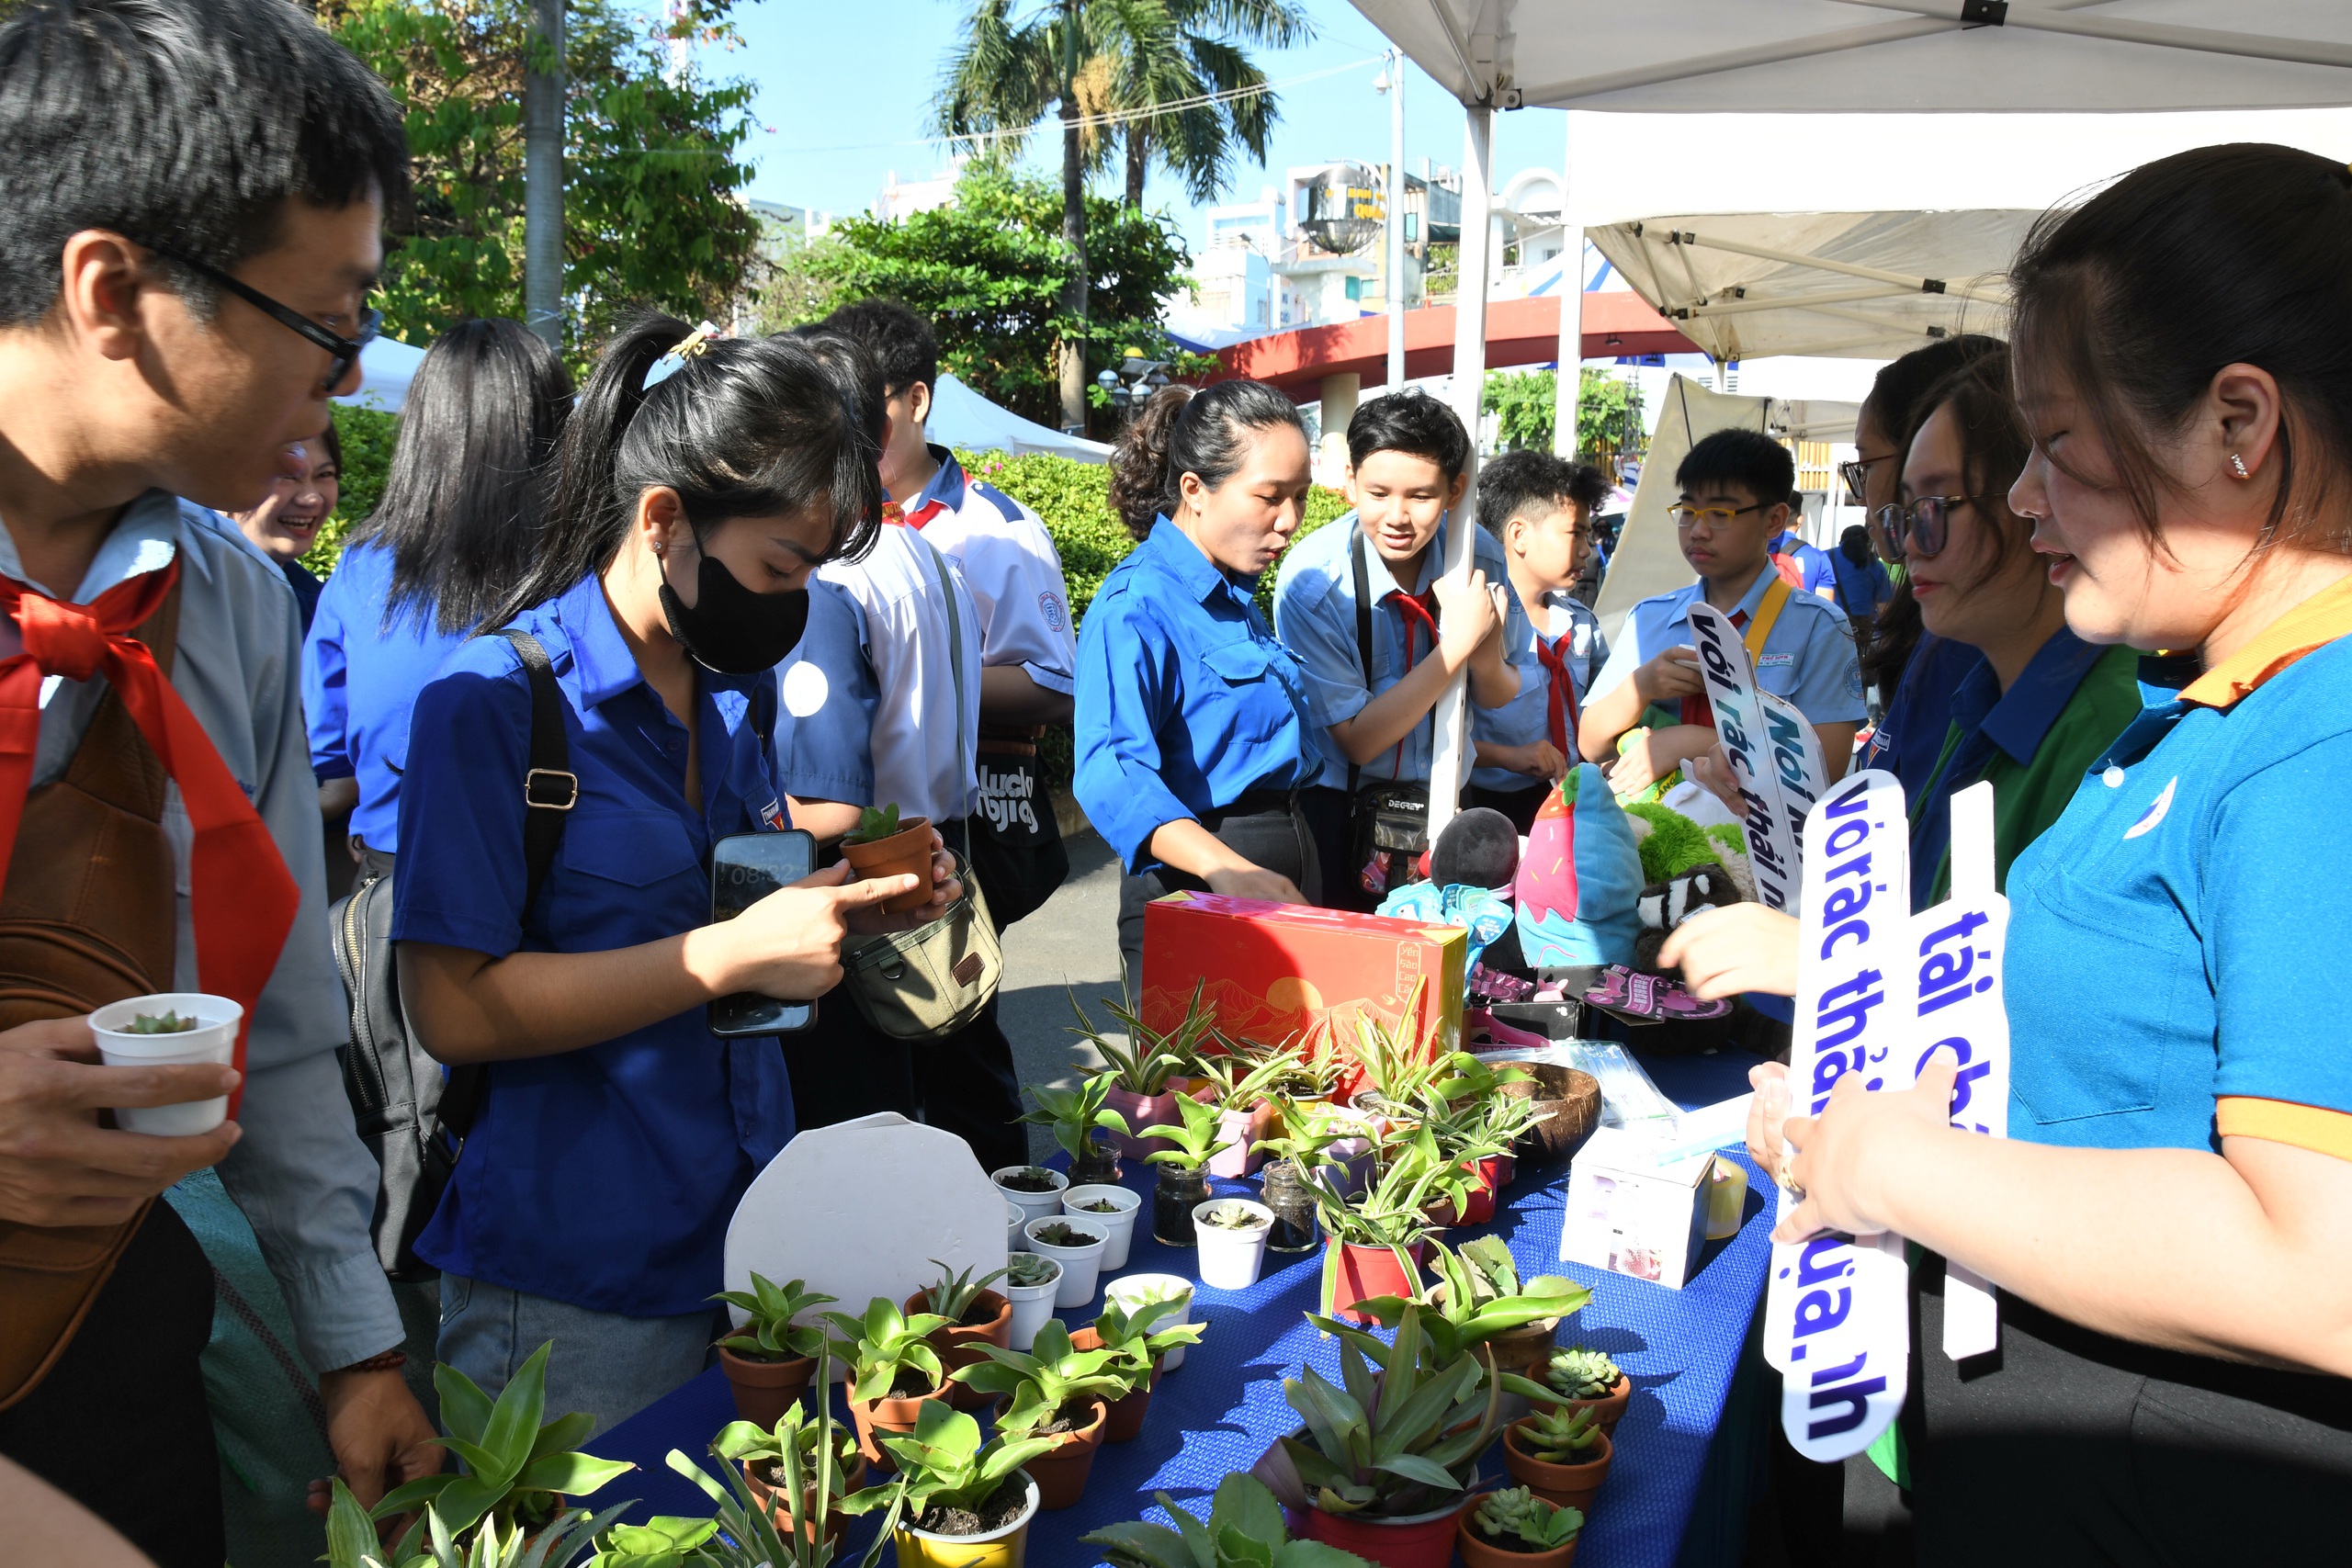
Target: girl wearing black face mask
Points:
(699, 484)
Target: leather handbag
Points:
(927, 983)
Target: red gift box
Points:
(1276, 973)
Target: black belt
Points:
(1260, 803)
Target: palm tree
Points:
(1104, 64)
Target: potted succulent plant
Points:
(1561, 1455)
(1113, 1208)
(1375, 1242)
(1479, 1303)
(892, 1368)
(1137, 1339)
(1054, 1389)
(884, 845)
(769, 1361)
(1245, 1529)
(1388, 1457)
(1515, 1529)
(1033, 1189)
(1231, 1234)
(517, 1472)
(1144, 1068)
(1076, 1242)
(1183, 1184)
(1586, 1377)
(797, 1458)
(1241, 1084)
(1031, 1282)
(974, 1314)
(960, 1503)
(1015, 1216)
(1137, 1291)
(1075, 1115)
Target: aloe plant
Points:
(1515, 1513)
(1581, 1373)
(1390, 1441)
(352, 1541)
(1041, 1380)
(1194, 1140)
(1075, 1113)
(1561, 1434)
(1245, 1529)
(1477, 1294)
(769, 1333)
(517, 1470)
(945, 1464)
(951, 1295)
(885, 1343)
(1153, 1056)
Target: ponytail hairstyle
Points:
(1205, 431)
(2134, 302)
(466, 498)
(1993, 447)
(746, 428)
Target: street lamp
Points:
(1134, 382)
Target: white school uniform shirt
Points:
(870, 693)
(1010, 567)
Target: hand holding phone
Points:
(744, 869)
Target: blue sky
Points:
(845, 89)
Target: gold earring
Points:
(2237, 466)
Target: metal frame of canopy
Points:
(1953, 56)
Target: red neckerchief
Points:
(1417, 612)
(1565, 713)
(1695, 707)
(245, 899)
(893, 513)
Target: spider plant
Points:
(1476, 1295)
(1393, 1212)
(1152, 1056)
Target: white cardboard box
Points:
(1632, 1217)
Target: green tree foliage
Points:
(989, 269)
(1524, 403)
(649, 165)
(366, 436)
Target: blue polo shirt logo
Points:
(2147, 824)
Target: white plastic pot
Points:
(1119, 1225)
(213, 1040)
(1032, 1305)
(1135, 1289)
(1081, 1265)
(1032, 1204)
(1015, 1216)
(1229, 1258)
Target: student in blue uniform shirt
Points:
(1732, 483)
(451, 537)
(1540, 506)
(1407, 461)
(1193, 732)
(285, 524)
(593, 1193)
(1806, 566)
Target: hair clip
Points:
(693, 346)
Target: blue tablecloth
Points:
(1217, 1413)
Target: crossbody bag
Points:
(1388, 821)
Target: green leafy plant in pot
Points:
(1137, 1341)
(1183, 1183)
(1375, 1240)
(1477, 1302)
(794, 1522)
(1244, 1529)
(893, 1369)
(1561, 1453)
(1075, 1115)
(975, 1315)
(797, 1458)
(1054, 1389)
(1143, 1068)
(955, 1490)
(352, 1540)
(1585, 1377)
(882, 845)
(1241, 1085)
(769, 1361)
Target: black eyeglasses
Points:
(345, 349)
(1925, 523)
(1857, 475)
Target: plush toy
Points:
(1478, 849)
(1579, 877)
(1665, 905)
(1686, 868)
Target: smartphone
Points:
(744, 869)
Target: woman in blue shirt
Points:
(1193, 738)
(450, 539)
(2170, 1217)
(696, 490)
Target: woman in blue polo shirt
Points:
(2170, 1216)
(1191, 728)
(697, 488)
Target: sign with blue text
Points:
(1742, 728)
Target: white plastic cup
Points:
(214, 1039)
(1015, 1216)
(1081, 1265)
(1032, 1305)
(1230, 1258)
(1121, 1224)
(1133, 1291)
(1032, 1205)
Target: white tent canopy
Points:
(961, 417)
(386, 368)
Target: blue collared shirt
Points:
(1819, 573)
(1185, 701)
(1909, 734)
(1808, 657)
(1527, 717)
(604, 1177)
(359, 682)
(1314, 611)
(1009, 563)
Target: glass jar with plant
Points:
(1137, 1334)
(884, 845)
(1075, 1115)
(1478, 1303)
(1309, 1131)
(1515, 1529)
(1375, 1240)
(1245, 1529)
(769, 1359)
(1183, 1183)
(955, 1492)
(892, 1369)
(1560, 1453)
(1583, 1376)
(1054, 1389)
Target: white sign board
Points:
(1774, 756)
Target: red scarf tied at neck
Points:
(245, 899)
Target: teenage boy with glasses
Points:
(1648, 699)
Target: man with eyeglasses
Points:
(1647, 714)
(190, 213)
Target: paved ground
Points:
(1069, 947)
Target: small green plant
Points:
(1049, 1381)
(944, 1465)
(1394, 1212)
(1151, 1058)
(952, 1296)
(1132, 1336)
(1194, 1138)
(1476, 1295)
(768, 1333)
(1309, 1129)
(885, 1347)
(1581, 1373)
(1561, 1434)
(170, 1024)
(1390, 1442)
(1026, 1178)
(874, 824)
(800, 1435)
(1031, 1269)
(352, 1541)
(1061, 1232)
(1098, 1206)
(1075, 1113)
(1245, 1529)
(1517, 1513)
(1243, 1077)
(517, 1472)
(664, 1541)
(1232, 1215)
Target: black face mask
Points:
(730, 629)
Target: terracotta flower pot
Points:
(1526, 1349)
(1141, 1110)
(959, 1344)
(772, 1499)
(1471, 1543)
(1060, 1473)
(1562, 1485)
(765, 1390)
(889, 1418)
(1425, 1541)
(1125, 1423)
(906, 852)
(1608, 1410)
(1369, 1271)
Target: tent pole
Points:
(1449, 763)
(1570, 377)
(1396, 220)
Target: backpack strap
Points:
(549, 786)
(1363, 631)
